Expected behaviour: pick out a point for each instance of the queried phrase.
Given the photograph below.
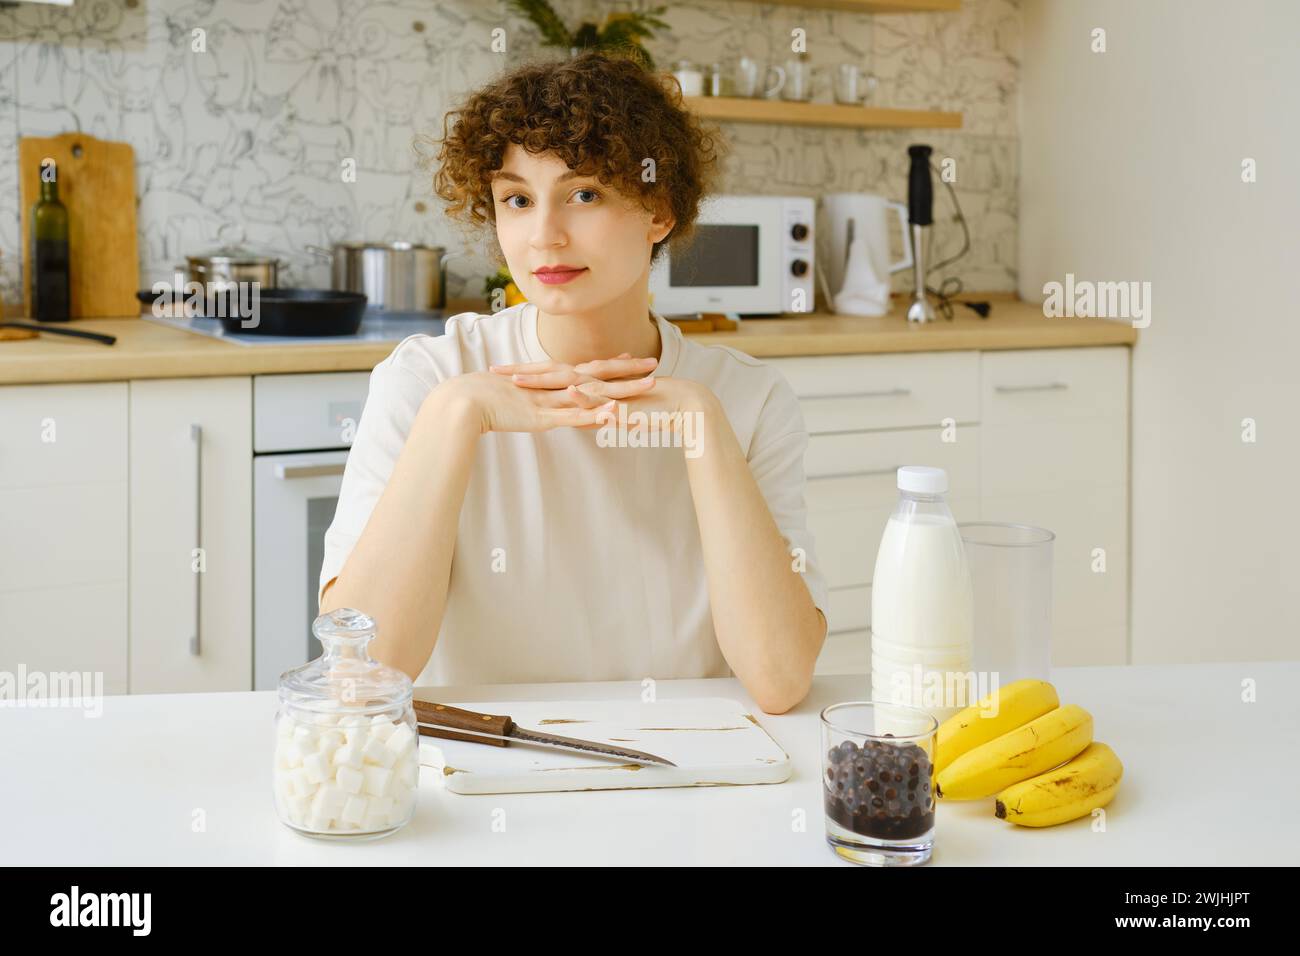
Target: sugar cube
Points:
(378, 753)
(403, 805)
(347, 756)
(381, 728)
(402, 739)
(316, 767)
(354, 811)
(301, 782)
(329, 802)
(377, 780)
(350, 780)
(408, 771)
(298, 808)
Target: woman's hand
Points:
(557, 375)
(592, 385)
(498, 405)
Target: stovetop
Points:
(376, 326)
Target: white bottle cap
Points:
(923, 480)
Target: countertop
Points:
(1207, 778)
(148, 350)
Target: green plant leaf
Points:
(544, 17)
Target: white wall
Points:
(1131, 170)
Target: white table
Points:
(1207, 780)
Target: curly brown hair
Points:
(602, 113)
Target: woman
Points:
(494, 519)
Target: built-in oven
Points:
(302, 429)
(749, 255)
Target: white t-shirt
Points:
(573, 561)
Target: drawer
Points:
(307, 411)
(877, 456)
(852, 392)
(62, 434)
(1041, 457)
(846, 653)
(1055, 385)
(850, 609)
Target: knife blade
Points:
(496, 730)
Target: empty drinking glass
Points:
(1011, 580)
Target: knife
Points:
(453, 723)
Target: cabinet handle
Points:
(884, 393)
(857, 474)
(284, 472)
(1048, 387)
(196, 436)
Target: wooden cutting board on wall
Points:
(97, 183)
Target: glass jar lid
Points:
(345, 678)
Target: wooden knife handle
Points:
(430, 712)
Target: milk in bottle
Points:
(921, 602)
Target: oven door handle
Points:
(287, 472)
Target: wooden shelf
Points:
(874, 6)
(741, 110)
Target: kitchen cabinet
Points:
(1055, 427)
(1033, 437)
(63, 525)
(191, 507)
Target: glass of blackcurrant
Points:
(878, 782)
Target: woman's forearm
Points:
(767, 626)
(399, 569)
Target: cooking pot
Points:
(393, 276)
(230, 265)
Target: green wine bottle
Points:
(51, 272)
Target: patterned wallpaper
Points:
(252, 132)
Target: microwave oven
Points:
(749, 255)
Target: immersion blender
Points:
(920, 213)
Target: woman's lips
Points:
(559, 278)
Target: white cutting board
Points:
(713, 741)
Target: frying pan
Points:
(301, 312)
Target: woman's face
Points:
(546, 215)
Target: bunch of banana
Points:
(1035, 755)
(992, 716)
(1074, 790)
(1043, 743)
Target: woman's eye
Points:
(595, 195)
(515, 196)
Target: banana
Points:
(1017, 704)
(1025, 752)
(1088, 781)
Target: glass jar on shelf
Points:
(689, 77)
(346, 742)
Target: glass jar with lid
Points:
(346, 741)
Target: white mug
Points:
(752, 79)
